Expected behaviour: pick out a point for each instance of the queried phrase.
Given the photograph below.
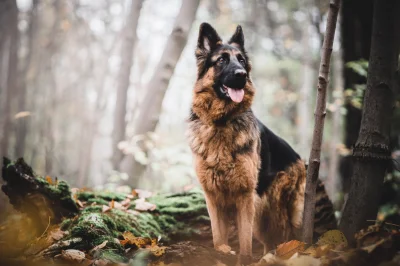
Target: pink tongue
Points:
(236, 95)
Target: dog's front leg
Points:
(219, 222)
(245, 219)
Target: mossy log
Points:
(84, 220)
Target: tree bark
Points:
(356, 28)
(21, 124)
(372, 153)
(320, 112)
(9, 66)
(333, 181)
(126, 57)
(150, 107)
(303, 103)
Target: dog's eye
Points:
(242, 61)
(221, 61)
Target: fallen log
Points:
(83, 220)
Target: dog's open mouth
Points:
(236, 95)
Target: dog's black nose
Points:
(240, 73)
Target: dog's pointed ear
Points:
(208, 38)
(237, 38)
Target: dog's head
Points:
(223, 84)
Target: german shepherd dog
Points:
(244, 168)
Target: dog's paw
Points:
(225, 249)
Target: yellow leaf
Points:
(49, 180)
(157, 251)
(130, 239)
(288, 249)
(332, 237)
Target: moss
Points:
(98, 201)
(172, 219)
(102, 195)
(111, 256)
(65, 224)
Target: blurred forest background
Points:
(97, 92)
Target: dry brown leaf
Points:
(72, 255)
(157, 251)
(288, 249)
(125, 202)
(105, 208)
(111, 204)
(101, 246)
(57, 234)
(80, 204)
(130, 239)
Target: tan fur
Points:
(228, 177)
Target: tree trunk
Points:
(22, 123)
(320, 112)
(127, 49)
(371, 153)
(303, 103)
(150, 107)
(356, 28)
(9, 66)
(333, 181)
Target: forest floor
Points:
(53, 224)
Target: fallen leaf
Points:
(49, 180)
(142, 205)
(157, 251)
(134, 194)
(72, 255)
(102, 245)
(286, 250)
(105, 208)
(80, 204)
(332, 237)
(125, 202)
(57, 234)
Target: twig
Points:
(48, 225)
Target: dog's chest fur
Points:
(226, 153)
